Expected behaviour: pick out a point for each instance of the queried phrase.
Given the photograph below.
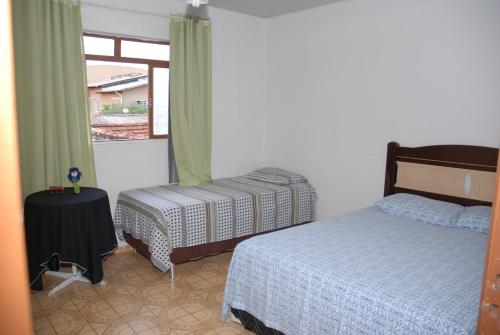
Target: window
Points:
(128, 87)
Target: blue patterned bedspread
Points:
(366, 272)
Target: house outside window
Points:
(128, 87)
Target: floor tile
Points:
(118, 328)
(139, 299)
(189, 316)
(99, 328)
(42, 325)
(124, 306)
(223, 328)
(147, 325)
(87, 330)
(100, 311)
(67, 322)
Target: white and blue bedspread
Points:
(366, 272)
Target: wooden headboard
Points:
(460, 174)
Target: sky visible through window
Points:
(98, 46)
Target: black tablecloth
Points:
(68, 228)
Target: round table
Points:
(68, 228)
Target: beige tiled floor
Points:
(139, 299)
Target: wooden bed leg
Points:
(172, 272)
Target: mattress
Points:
(167, 217)
(366, 272)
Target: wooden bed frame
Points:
(461, 174)
(454, 163)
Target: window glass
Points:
(98, 46)
(118, 95)
(145, 50)
(160, 100)
(121, 89)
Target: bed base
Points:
(250, 322)
(188, 254)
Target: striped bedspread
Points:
(167, 217)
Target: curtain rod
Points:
(92, 4)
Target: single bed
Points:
(369, 272)
(171, 224)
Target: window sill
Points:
(127, 141)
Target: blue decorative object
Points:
(74, 176)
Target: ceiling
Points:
(268, 8)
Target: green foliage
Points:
(133, 108)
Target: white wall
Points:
(239, 85)
(349, 77)
(122, 166)
(321, 92)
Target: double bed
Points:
(172, 224)
(370, 271)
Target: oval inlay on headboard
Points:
(467, 183)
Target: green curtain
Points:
(51, 94)
(191, 98)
